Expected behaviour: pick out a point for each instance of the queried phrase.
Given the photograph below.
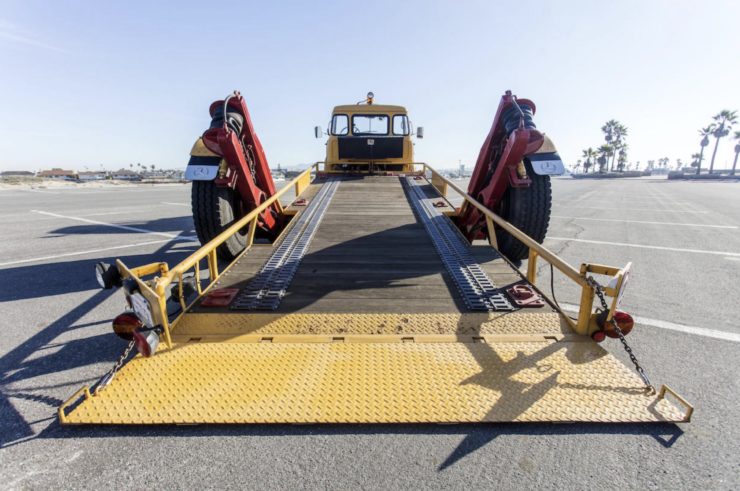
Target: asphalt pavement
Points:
(683, 239)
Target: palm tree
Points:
(725, 119)
(704, 133)
(620, 132)
(609, 130)
(695, 159)
(650, 164)
(590, 155)
(736, 136)
(614, 134)
(621, 162)
(604, 152)
(622, 159)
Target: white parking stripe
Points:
(82, 253)
(105, 213)
(175, 204)
(733, 258)
(644, 246)
(672, 326)
(122, 227)
(649, 223)
(630, 209)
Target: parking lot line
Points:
(672, 326)
(630, 209)
(175, 204)
(82, 253)
(122, 227)
(645, 222)
(645, 246)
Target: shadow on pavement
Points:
(31, 359)
(182, 225)
(476, 436)
(71, 276)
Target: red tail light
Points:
(624, 321)
(126, 324)
(598, 336)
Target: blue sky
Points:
(110, 83)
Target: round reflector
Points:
(126, 324)
(146, 342)
(598, 336)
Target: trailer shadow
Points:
(175, 226)
(44, 279)
(474, 436)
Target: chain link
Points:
(108, 377)
(640, 371)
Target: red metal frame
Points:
(247, 169)
(496, 168)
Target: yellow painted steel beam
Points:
(340, 324)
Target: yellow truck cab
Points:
(369, 138)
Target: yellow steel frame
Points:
(155, 290)
(586, 318)
(363, 348)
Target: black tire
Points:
(214, 210)
(528, 209)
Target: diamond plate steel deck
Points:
(373, 383)
(475, 287)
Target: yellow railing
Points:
(585, 323)
(209, 252)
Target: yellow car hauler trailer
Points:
(379, 323)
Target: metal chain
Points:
(640, 371)
(108, 377)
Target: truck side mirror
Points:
(317, 131)
(420, 132)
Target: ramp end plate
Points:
(344, 382)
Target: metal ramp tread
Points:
(370, 382)
(268, 288)
(477, 289)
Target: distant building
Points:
(125, 175)
(16, 173)
(92, 176)
(57, 173)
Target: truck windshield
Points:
(370, 124)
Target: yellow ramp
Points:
(347, 380)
